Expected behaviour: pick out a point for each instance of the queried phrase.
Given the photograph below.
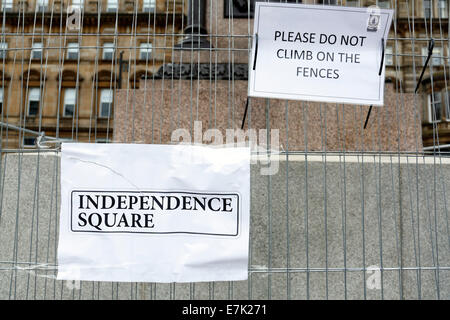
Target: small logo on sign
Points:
(374, 19)
(374, 22)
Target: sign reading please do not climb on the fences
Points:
(319, 53)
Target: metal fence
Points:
(356, 208)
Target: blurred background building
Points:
(131, 54)
(347, 204)
(62, 79)
(218, 56)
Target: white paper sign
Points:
(153, 213)
(318, 53)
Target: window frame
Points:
(440, 11)
(100, 105)
(110, 8)
(2, 98)
(388, 2)
(41, 5)
(430, 103)
(106, 47)
(9, 3)
(70, 46)
(356, 2)
(4, 50)
(389, 51)
(148, 5)
(79, 4)
(446, 102)
(447, 58)
(227, 13)
(149, 51)
(424, 54)
(75, 92)
(328, 2)
(438, 57)
(102, 140)
(433, 57)
(35, 48)
(28, 146)
(427, 9)
(30, 90)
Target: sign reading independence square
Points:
(319, 53)
(153, 213)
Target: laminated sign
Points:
(153, 213)
(319, 53)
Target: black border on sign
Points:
(318, 8)
(173, 232)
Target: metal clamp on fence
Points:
(41, 142)
(44, 142)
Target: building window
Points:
(244, 9)
(446, 99)
(36, 50)
(41, 5)
(3, 50)
(424, 55)
(112, 5)
(436, 57)
(384, 4)
(434, 107)
(327, 2)
(70, 99)
(437, 103)
(239, 9)
(388, 56)
(443, 9)
(106, 101)
(1, 100)
(78, 4)
(34, 95)
(427, 8)
(73, 50)
(28, 141)
(145, 51)
(448, 53)
(352, 3)
(7, 5)
(148, 5)
(108, 51)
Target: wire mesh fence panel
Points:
(341, 207)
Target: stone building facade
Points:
(213, 82)
(73, 84)
(60, 76)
